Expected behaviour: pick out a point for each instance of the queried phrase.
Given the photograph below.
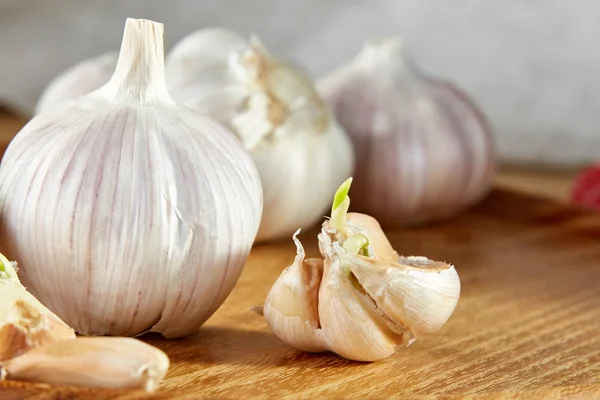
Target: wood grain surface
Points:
(527, 325)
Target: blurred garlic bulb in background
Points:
(423, 149)
(300, 151)
(79, 80)
(128, 212)
(361, 300)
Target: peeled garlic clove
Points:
(108, 362)
(129, 212)
(79, 80)
(276, 112)
(291, 307)
(24, 322)
(414, 292)
(424, 151)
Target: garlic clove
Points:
(27, 326)
(349, 318)
(108, 362)
(415, 292)
(24, 322)
(79, 80)
(291, 307)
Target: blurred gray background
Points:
(532, 65)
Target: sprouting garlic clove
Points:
(413, 294)
(291, 307)
(275, 110)
(109, 362)
(79, 80)
(24, 322)
(424, 150)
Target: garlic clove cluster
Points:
(108, 362)
(300, 151)
(370, 300)
(77, 81)
(129, 212)
(424, 150)
(24, 322)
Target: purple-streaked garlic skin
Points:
(424, 151)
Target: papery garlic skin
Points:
(415, 291)
(79, 80)
(128, 212)
(424, 151)
(370, 300)
(108, 362)
(301, 152)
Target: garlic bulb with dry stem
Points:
(108, 362)
(362, 301)
(79, 80)
(128, 212)
(424, 151)
(300, 151)
(24, 322)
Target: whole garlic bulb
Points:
(79, 80)
(128, 212)
(424, 151)
(300, 151)
(361, 300)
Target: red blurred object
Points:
(586, 189)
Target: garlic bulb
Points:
(128, 212)
(79, 80)
(24, 322)
(423, 150)
(301, 153)
(108, 362)
(362, 300)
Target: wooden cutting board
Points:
(527, 325)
